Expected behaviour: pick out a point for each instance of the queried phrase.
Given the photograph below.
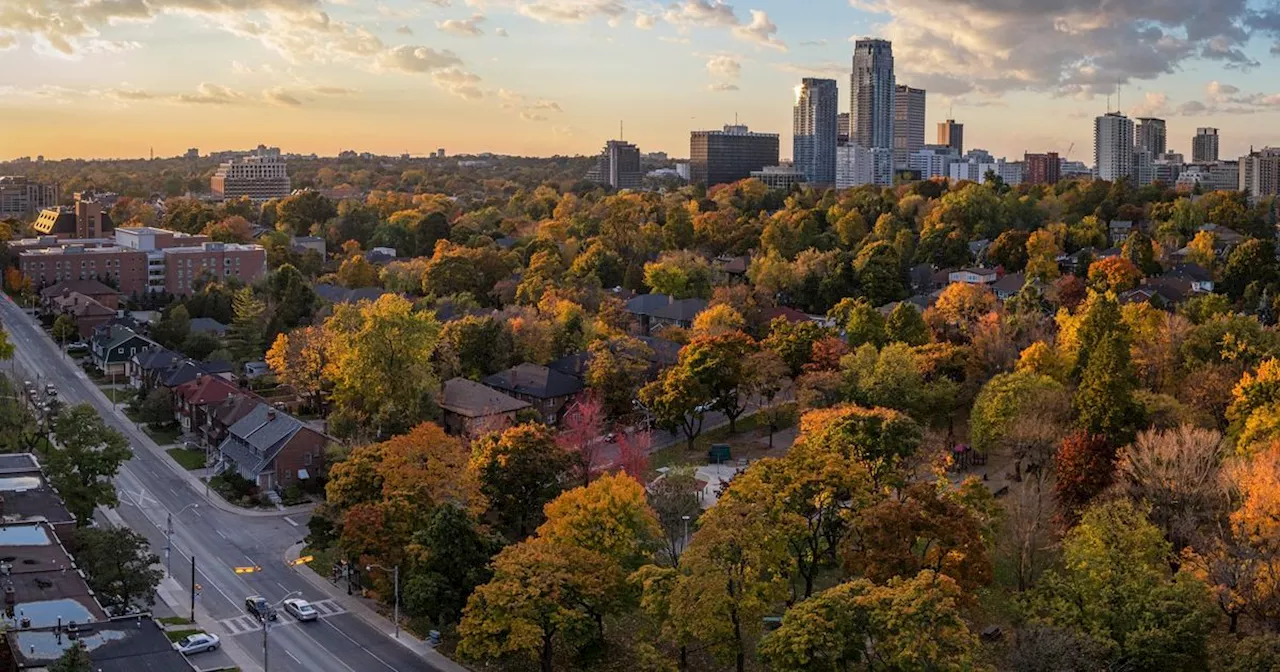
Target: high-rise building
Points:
(857, 165)
(618, 166)
(87, 218)
(1113, 146)
(1260, 173)
(908, 124)
(815, 130)
(951, 134)
(260, 177)
(21, 198)
(842, 127)
(1151, 136)
(1041, 168)
(1144, 167)
(1204, 147)
(931, 161)
(871, 94)
(720, 157)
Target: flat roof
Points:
(127, 644)
(18, 462)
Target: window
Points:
(306, 459)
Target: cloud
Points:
(281, 97)
(404, 30)
(411, 59)
(500, 32)
(211, 94)
(128, 94)
(527, 108)
(1221, 98)
(571, 11)
(701, 13)
(332, 90)
(761, 30)
(462, 27)
(1154, 104)
(720, 87)
(724, 67)
(459, 82)
(645, 21)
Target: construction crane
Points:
(1068, 156)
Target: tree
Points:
(172, 329)
(477, 346)
(543, 596)
(960, 306)
(1116, 588)
(1043, 249)
(1085, 466)
(793, 342)
(1104, 401)
(616, 369)
(766, 376)
(907, 624)
(679, 400)
(119, 566)
(1200, 250)
(520, 470)
(65, 329)
(1114, 274)
(157, 409)
(1006, 399)
(357, 272)
(610, 516)
(879, 439)
(1254, 260)
(580, 438)
(299, 358)
(74, 659)
(675, 500)
(1009, 250)
(453, 559)
(234, 229)
(719, 363)
(83, 458)
(862, 322)
(299, 212)
(906, 325)
(245, 335)
(679, 274)
(717, 320)
(1178, 474)
(1140, 251)
(879, 269)
(290, 299)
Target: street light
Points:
(396, 573)
(168, 535)
(265, 617)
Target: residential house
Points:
(1200, 278)
(771, 313)
(974, 276)
(194, 400)
(106, 295)
(256, 369)
(1119, 230)
(471, 409)
(185, 370)
(272, 448)
(220, 417)
(1008, 286)
(112, 346)
(87, 313)
(548, 391)
(654, 311)
(208, 325)
(304, 243)
(730, 270)
(144, 368)
(939, 279)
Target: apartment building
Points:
(21, 198)
(260, 177)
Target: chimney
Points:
(271, 415)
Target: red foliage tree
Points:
(581, 437)
(633, 454)
(1085, 465)
(826, 354)
(1069, 291)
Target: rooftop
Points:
(535, 381)
(473, 400)
(128, 644)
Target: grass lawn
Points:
(189, 459)
(324, 559)
(115, 395)
(165, 436)
(175, 620)
(175, 635)
(749, 427)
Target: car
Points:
(258, 606)
(301, 610)
(50, 390)
(196, 643)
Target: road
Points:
(151, 490)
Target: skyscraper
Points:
(720, 157)
(1260, 173)
(1151, 136)
(951, 134)
(1204, 147)
(618, 166)
(1113, 146)
(871, 94)
(815, 130)
(908, 124)
(842, 127)
(1041, 168)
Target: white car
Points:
(197, 643)
(301, 610)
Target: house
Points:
(304, 243)
(272, 448)
(103, 294)
(194, 400)
(256, 369)
(1008, 286)
(548, 391)
(337, 294)
(661, 354)
(730, 270)
(791, 315)
(185, 370)
(1224, 239)
(87, 313)
(940, 278)
(1200, 278)
(221, 416)
(143, 369)
(208, 325)
(1171, 290)
(680, 313)
(380, 256)
(472, 409)
(112, 346)
(974, 276)
(1119, 230)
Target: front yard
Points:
(189, 459)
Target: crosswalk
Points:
(240, 625)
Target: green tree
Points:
(681, 274)
(793, 341)
(1254, 260)
(290, 299)
(83, 458)
(880, 439)
(1006, 400)
(675, 498)
(720, 363)
(862, 322)
(1104, 401)
(1139, 250)
(906, 325)
(475, 346)
(64, 329)
(299, 212)
(879, 269)
(908, 624)
(616, 371)
(453, 560)
(157, 409)
(74, 659)
(119, 566)
(610, 516)
(1116, 588)
(677, 400)
(172, 329)
(1009, 250)
(246, 333)
(520, 470)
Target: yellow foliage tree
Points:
(610, 516)
(717, 320)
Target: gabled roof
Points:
(1192, 272)
(665, 352)
(205, 390)
(186, 370)
(574, 364)
(733, 265)
(230, 410)
(81, 305)
(258, 437)
(338, 294)
(984, 272)
(155, 357)
(646, 304)
(207, 325)
(86, 287)
(1011, 283)
(535, 381)
(115, 335)
(787, 313)
(683, 310)
(473, 400)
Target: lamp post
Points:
(265, 617)
(168, 536)
(684, 539)
(396, 578)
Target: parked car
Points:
(196, 643)
(257, 605)
(301, 610)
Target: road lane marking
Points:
(220, 534)
(286, 652)
(291, 521)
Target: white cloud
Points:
(281, 97)
(459, 82)
(724, 67)
(469, 27)
(721, 87)
(761, 30)
(410, 59)
(645, 21)
(211, 94)
(1154, 104)
(500, 32)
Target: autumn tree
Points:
(519, 471)
(675, 500)
(717, 320)
(119, 566)
(65, 329)
(908, 623)
(1114, 274)
(863, 324)
(611, 516)
(299, 358)
(1006, 400)
(879, 439)
(959, 307)
(680, 274)
(793, 342)
(246, 332)
(1009, 250)
(679, 400)
(879, 269)
(1116, 588)
(1252, 261)
(906, 325)
(616, 369)
(1084, 466)
(719, 363)
(82, 459)
(580, 436)
(1043, 249)
(1178, 474)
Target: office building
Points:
(976, 169)
(618, 166)
(815, 130)
(87, 218)
(260, 177)
(1259, 173)
(1144, 169)
(1041, 168)
(856, 166)
(931, 161)
(1113, 146)
(908, 124)
(1204, 146)
(1168, 168)
(21, 198)
(729, 155)
(1224, 175)
(785, 176)
(1151, 136)
(871, 94)
(951, 134)
(842, 127)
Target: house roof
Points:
(787, 313)
(683, 310)
(255, 439)
(114, 335)
(733, 265)
(125, 644)
(186, 370)
(156, 357)
(574, 364)
(230, 410)
(1011, 283)
(977, 271)
(1173, 290)
(1192, 272)
(473, 400)
(665, 352)
(646, 304)
(207, 325)
(205, 390)
(81, 305)
(86, 287)
(535, 381)
(338, 294)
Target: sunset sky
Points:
(114, 78)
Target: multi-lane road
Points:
(151, 489)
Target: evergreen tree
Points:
(245, 337)
(1104, 401)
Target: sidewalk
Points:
(179, 600)
(361, 607)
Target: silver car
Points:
(196, 643)
(301, 610)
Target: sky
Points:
(120, 78)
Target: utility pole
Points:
(193, 587)
(265, 666)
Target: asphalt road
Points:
(151, 490)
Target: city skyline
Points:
(322, 76)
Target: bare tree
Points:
(1029, 533)
(1179, 474)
